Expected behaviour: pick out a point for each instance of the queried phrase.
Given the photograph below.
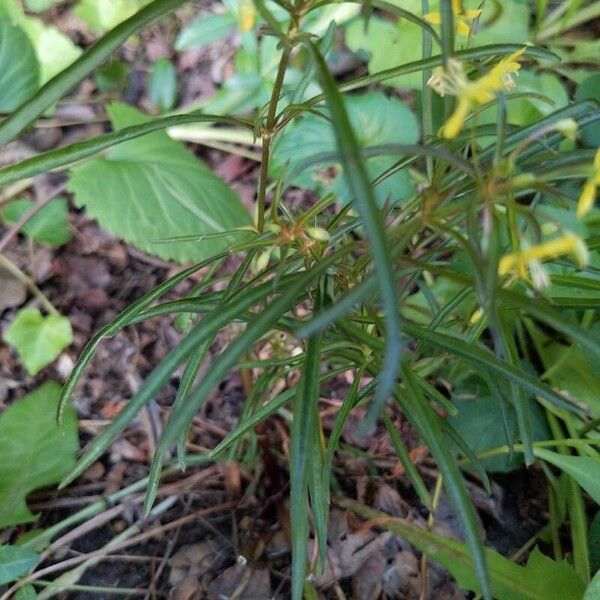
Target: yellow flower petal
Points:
(566, 245)
(587, 199)
(506, 264)
(462, 27)
(435, 18)
(454, 124)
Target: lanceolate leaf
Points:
(301, 447)
(363, 199)
(153, 188)
(584, 469)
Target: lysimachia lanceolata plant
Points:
(451, 247)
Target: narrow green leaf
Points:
(409, 467)
(366, 205)
(485, 359)
(264, 321)
(185, 387)
(58, 86)
(121, 321)
(579, 527)
(583, 469)
(426, 424)
(303, 440)
(208, 327)
(470, 54)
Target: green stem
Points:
(427, 109)
(269, 132)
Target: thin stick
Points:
(14, 270)
(14, 229)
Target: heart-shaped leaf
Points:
(37, 339)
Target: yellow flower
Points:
(530, 259)
(589, 190)
(462, 18)
(247, 15)
(454, 81)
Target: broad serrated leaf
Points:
(37, 339)
(49, 226)
(15, 561)
(376, 120)
(540, 579)
(152, 188)
(34, 451)
(19, 70)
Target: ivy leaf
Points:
(152, 188)
(49, 226)
(35, 452)
(14, 562)
(19, 70)
(480, 423)
(37, 339)
(376, 120)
